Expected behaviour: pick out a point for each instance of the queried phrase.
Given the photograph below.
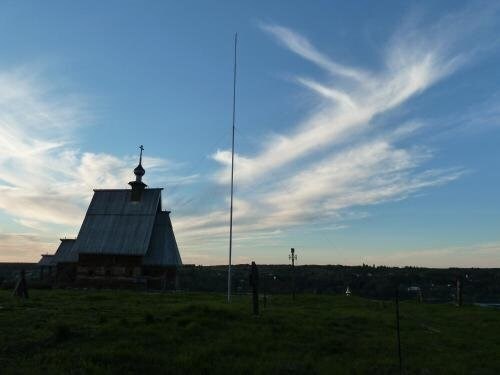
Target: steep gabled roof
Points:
(65, 252)
(47, 260)
(114, 224)
(163, 249)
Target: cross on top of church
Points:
(141, 147)
(139, 170)
(137, 185)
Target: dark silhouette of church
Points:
(125, 240)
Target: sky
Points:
(366, 132)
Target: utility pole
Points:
(293, 258)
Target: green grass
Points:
(120, 332)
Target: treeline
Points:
(430, 284)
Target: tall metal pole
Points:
(232, 176)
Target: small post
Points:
(176, 280)
(264, 298)
(21, 289)
(164, 282)
(254, 283)
(459, 291)
(293, 258)
(398, 331)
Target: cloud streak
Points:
(344, 155)
(408, 71)
(302, 47)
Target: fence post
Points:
(293, 258)
(254, 282)
(398, 331)
(459, 291)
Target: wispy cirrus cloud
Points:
(303, 47)
(344, 154)
(409, 69)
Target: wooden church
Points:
(125, 240)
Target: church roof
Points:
(114, 224)
(124, 222)
(163, 249)
(47, 260)
(65, 252)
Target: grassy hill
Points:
(121, 332)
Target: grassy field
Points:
(120, 332)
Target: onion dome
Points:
(138, 186)
(139, 172)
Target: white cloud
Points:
(409, 69)
(329, 92)
(342, 156)
(46, 182)
(301, 46)
(406, 75)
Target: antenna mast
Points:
(232, 177)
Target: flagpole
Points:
(232, 176)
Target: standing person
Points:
(21, 289)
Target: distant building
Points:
(126, 239)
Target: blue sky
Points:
(367, 132)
